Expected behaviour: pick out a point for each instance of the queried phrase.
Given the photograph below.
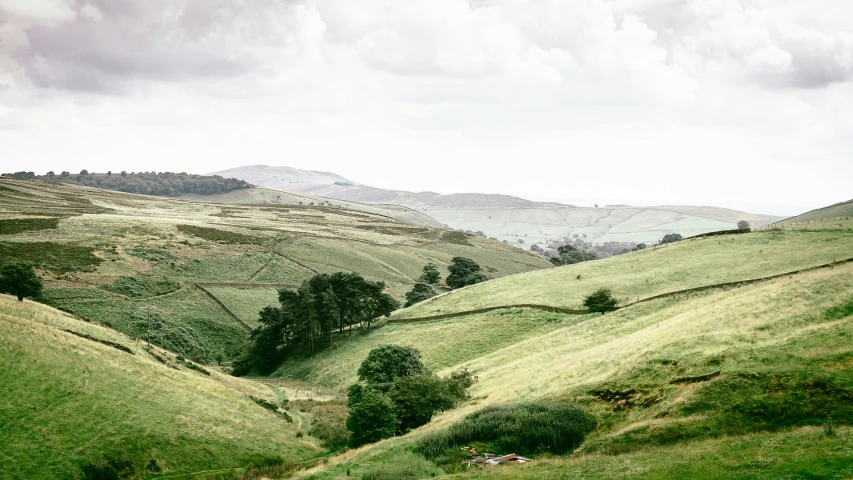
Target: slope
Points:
(686, 264)
(707, 376)
(107, 256)
(70, 401)
(828, 213)
(511, 218)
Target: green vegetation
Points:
(148, 183)
(20, 280)
(387, 363)
(71, 402)
(568, 255)
(328, 421)
(419, 293)
(671, 238)
(464, 272)
(20, 225)
(223, 236)
(50, 256)
(600, 301)
(246, 302)
(372, 417)
(431, 274)
(142, 287)
(401, 465)
(525, 428)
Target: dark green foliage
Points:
(151, 254)
(372, 418)
(108, 469)
(670, 238)
(386, 363)
(177, 338)
(20, 280)
(18, 225)
(141, 287)
(56, 257)
(308, 317)
(222, 236)
(431, 275)
(568, 255)
(641, 246)
(839, 311)
(328, 421)
(600, 301)
(419, 293)
(463, 272)
(151, 183)
(529, 428)
(743, 225)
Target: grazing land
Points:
(107, 256)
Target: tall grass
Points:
(403, 466)
(524, 428)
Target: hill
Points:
(207, 268)
(840, 209)
(77, 394)
(693, 384)
(509, 218)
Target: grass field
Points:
(678, 266)
(150, 251)
(70, 401)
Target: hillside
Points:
(692, 385)
(511, 218)
(840, 209)
(107, 256)
(70, 401)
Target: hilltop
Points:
(509, 218)
(840, 209)
(208, 268)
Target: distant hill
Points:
(841, 209)
(511, 218)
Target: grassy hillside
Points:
(682, 265)
(739, 382)
(69, 401)
(828, 213)
(107, 256)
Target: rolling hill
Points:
(747, 379)
(207, 268)
(511, 218)
(77, 394)
(840, 209)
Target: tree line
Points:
(167, 184)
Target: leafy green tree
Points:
(431, 275)
(419, 293)
(463, 272)
(386, 363)
(600, 301)
(743, 225)
(20, 280)
(671, 238)
(65, 174)
(568, 255)
(51, 174)
(84, 172)
(417, 398)
(371, 418)
(641, 246)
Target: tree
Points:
(51, 174)
(84, 172)
(431, 274)
(463, 272)
(371, 418)
(386, 363)
(419, 293)
(417, 398)
(64, 174)
(743, 225)
(600, 301)
(641, 246)
(20, 280)
(123, 173)
(670, 238)
(568, 255)
(109, 173)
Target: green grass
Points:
(142, 287)
(442, 344)
(19, 225)
(68, 401)
(223, 236)
(401, 465)
(51, 256)
(246, 302)
(682, 265)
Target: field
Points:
(678, 266)
(107, 256)
(69, 401)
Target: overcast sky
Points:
(745, 103)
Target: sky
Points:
(737, 103)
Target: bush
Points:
(670, 238)
(601, 301)
(539, 427)
(372, 418)
(402, 466)
(419, 293)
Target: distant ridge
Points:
(840, 209)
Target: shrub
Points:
(372, 418)
(670, 238)
(601, 301)
(403, 466)
(419, 293)
(151, 254)
(556, 428)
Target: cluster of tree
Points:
(671, 238)
(600, 250)
(149, 183)
(463, 271)
(309, 315)
(20, 280)
(568, 255)
(399, 393)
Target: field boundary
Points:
(570, 311)
(219, 302)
